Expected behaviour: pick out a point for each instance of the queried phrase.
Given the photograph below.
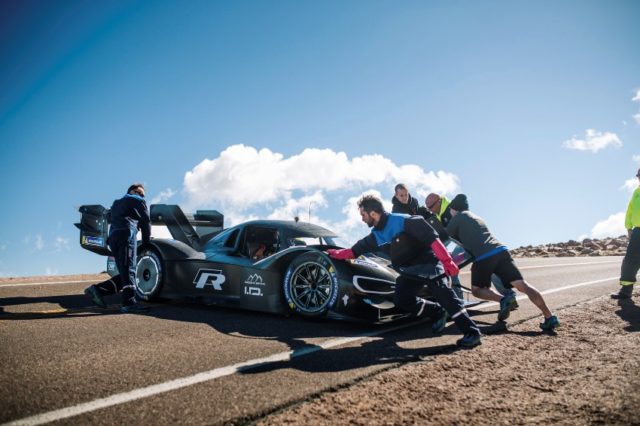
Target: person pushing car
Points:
(128, 214)
(420, 258)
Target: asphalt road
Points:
(64, 361)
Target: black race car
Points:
(263, 265)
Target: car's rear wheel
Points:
(311, 284)
(149, 275)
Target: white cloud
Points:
(163, 196)
(304, 208)
(636, 98)
(61, 243)
(636, 158)
(613, 226)
(637, 117)
(594, 141)
(630, 185)
(242, 177)
(245, 183)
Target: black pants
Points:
(123, 246)
(631, 261)
(405, 298)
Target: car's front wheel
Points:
(149, 275)
(311, 284)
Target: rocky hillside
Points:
(588, 247)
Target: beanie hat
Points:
(459, 203)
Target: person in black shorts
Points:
(492, 257)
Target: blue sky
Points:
(263, 108)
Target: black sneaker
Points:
(625, 292)
(470, 340)
(134, 308)
(93, 294)
(550, 323)
(506, 304)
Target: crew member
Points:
(631, 261)
(128, 214)
(420, 258)
(403, 202)
(493, 257)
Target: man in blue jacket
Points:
(420, 258)
(128, 214)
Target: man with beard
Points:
(421, 259)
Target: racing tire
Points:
(149, 275)
(311, 285)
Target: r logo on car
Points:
(213, 277)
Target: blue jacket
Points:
(390, 227)
(131, 213)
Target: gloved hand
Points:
(450, 268)
(341, 254)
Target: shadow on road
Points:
(629, 312)
(61, 306)
(298, 334)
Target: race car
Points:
(291, 273)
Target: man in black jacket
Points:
(493, 257)
(403, 202)
(128, 214)
(420, 258)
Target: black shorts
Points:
(501, 264)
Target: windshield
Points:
(311, 241)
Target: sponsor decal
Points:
(254, 279)
(88, 240)
(111, 265)
(251, 283)
(213, 277)
(253, 291)
(345, 299)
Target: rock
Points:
(587, 247)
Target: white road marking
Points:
(553, 290)
(47, 282)
(558, 264)
(216, 373)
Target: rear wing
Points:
(192, 229)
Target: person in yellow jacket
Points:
(631, 261)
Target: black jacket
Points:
(411, 208)
(131, 212)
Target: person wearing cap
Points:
(421, 259)
(631, 261)
(403, 202)
(492, 257)
(128, 214)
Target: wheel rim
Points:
(147, 274)
(311, 287)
